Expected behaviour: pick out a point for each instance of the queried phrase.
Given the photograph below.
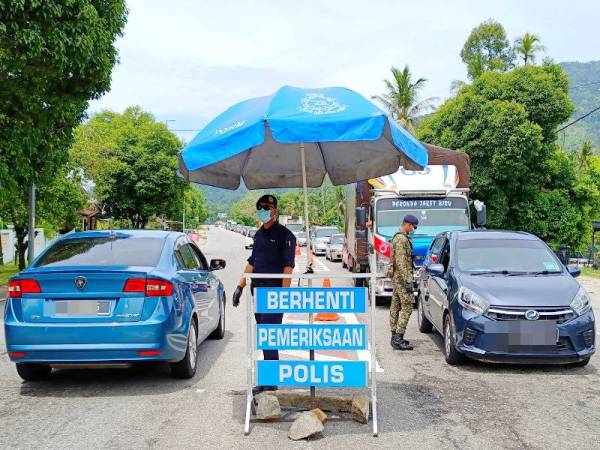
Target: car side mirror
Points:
(481, 210)
(217, 264)
(435, 270)
(574, 270)
(361, 217)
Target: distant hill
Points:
(585, 93)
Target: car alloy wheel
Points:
(447, 337)
(193, 347)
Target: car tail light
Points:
(14, 355)
(16, 288)
(149, 286)
(148, 352)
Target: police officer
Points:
(401, 273)
(274, 251)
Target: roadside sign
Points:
(311, 337)
(311, 300)
(312, 373)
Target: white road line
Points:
(363, 355)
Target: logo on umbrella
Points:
(319, 104)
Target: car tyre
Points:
(219, 332)
(584, 362)
(186, 368)
(425, 325)
(453, 356)
(33, 372)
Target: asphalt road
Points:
(423, 402)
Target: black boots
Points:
(399, 343)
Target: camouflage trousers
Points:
(400, 309)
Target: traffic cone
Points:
(327, 316)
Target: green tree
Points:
(507, 123)
(401, 98)
(132, 160)
(584, 156)
(54, 57)
(196, 209)
(59, 201)
(487, 49)
(244, 210)
(527, 47)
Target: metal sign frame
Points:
(250, 338)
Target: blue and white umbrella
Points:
(296, 136)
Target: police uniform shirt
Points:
(274, 248)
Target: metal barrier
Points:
(250, 307)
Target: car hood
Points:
(543, 290)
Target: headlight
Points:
(472, 301)
(581, 302)
(382, 263)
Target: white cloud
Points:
(190, 60)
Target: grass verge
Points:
(7, 271)
(589, 272)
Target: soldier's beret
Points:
(409, 218)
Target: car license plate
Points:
(82, 308)
(524, 333)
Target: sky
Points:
(186, 61)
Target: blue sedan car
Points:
(504, 297)
(114, 297)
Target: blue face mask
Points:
(411, 233)
(264, 215)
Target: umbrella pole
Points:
(308, 242)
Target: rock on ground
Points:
(305, 426)
(267, 407)
(320, 415)
(360, 408)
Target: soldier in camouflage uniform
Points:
(401, 273)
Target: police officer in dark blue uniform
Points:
(274, 251)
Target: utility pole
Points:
(31, 234)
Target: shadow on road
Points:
(474, 366)
(140, 379)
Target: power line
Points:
(580, 118)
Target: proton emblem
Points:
(80, 282)
(532, 314)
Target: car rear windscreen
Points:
(103, 251)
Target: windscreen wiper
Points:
(540, 272)
(492, 272)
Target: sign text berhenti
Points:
(311, 337)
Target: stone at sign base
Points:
(360, 408)
(268, 408)
(320, 414)
(305, 426)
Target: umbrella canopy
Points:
(343, 134)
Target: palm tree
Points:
(585, 155)
(401, 98)
(527, 46)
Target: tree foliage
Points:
(401, 98)
(54, 57)
(487, 49)
(527, 47)
(507, 123)
(132, 159)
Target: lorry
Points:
(438, 195)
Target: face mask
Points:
(411, 233)
(264, 215)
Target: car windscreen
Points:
(300, 234)
(325, 232)
(293, 227)
(103, 251)
(499, 255)
(337, 239)
(435, 215)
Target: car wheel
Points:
(424, 323)
(584, 362)
(33, 372)
(219, 332)
(186, 368)
(453, 356)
